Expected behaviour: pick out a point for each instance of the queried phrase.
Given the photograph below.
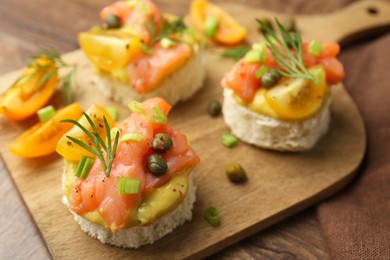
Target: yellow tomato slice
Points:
(297, 99)
(25, 97)
(41, 139)
(72, 151)
(229, 31)
(109, 49)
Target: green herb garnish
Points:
(236, 53)
(212, 216)
(167, 28)
(50, 70)
(315, 48)
(85, 164)
(229, 140)
(157, 115)
(126, 185)
(131, 137)
(46, 113)
(97, 142)
(290, 61)
(211, 25)
(112, 112)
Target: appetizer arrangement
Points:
(277, 96)
(131, 185)
(141, 53)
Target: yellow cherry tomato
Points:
(109, 49)
(27, 95)
(41, 139)
(72, 151)
(229, 31)
(297, 99)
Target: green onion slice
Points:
(229, 140)
(127, 185)
(157, 115)
(261, 71)
(317, 75)
(131, 137)
(46, 113)
(85, 164)
(212, 216)
(112, 112)
(315, 48)
(211, 25)
(167, 43)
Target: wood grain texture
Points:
(21, 34)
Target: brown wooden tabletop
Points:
(26, 26)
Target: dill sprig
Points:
(290, 61)
(50, 69)
(97, 142)
(167, 28)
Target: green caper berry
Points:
(214, 108)
(161, 143)
(112, 21)
(156, 165)
(289, 24)
(270, 78)
(235, 172)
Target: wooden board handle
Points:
(355, 21)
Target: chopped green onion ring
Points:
(261, 71)
(229, 140)
(127, 185)
(211, 25)
(315, 48)
(212, 216)
(167, 43)
(131, 137)
(112, 112)
(46, 113)
(84, 166)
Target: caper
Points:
(214, 108)
(235, 172)
(112, 21)
(270, 78)
(157, 165)
(161, 143)
(289, 24)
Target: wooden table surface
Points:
(26, 26)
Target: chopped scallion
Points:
(157, 115)
(167, 43)
(229, 140)
(85, 164)
(131, 137)
(212, 216)
(112, 112)
(136, 107)
(127, 185)
(315, 48)
(261, 71)
(211, 25)
(46, 113)
(317, 75)
(255, 56)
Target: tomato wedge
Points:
(26, 96)
(229, 31)
(73, 152)
(41, 139)
(297, 99)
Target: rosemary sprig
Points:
(290, 61)
(167, 28)
(97, 142)
(236, 53)
(51, 69)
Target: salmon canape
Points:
(141, 53)
(278, 96)
(128, 185)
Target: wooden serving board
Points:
(279, 185)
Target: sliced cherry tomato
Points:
(41, 139)
(72, 151)
(109, 49)
(229, 31)
(27, 95)
(296, 99)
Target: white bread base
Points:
(140, 235)
(178, 86)
(270, 133)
